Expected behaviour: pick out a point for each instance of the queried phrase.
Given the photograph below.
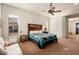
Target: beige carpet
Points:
(67, 46)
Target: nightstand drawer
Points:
(23, 38)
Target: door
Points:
(77, 28)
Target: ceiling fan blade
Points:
(58, 11)
(52, 10)
(52, 13)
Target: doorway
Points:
(77, 28)
(73, 27)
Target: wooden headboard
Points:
(34, 27)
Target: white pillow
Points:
(32, 32)
(36, 32)
(2, 49)
(1, 42)
(40, 31)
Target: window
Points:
(13, 24)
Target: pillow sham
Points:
(40, 31)
(36, 32)
(33, 32)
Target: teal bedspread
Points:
(42, 38)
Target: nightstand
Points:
(23, 38)
(45, 32)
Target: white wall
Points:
(72, 25)
(56, 25)
(0, 10)
(0, 19)
(25, 17)
(59, 23)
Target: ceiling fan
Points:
(52, 9)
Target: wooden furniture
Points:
(34, 27)
(23, 38)
(45, 32)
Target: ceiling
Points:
(41, 7)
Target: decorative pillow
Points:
(33, 32)
(2, 50)
(1, 42)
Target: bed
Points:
(36, 35)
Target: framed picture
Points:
(13, 24)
